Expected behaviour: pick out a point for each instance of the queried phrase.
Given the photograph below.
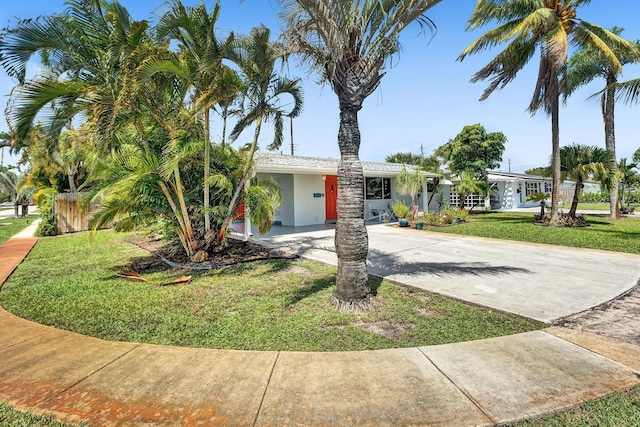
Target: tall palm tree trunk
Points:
(555, 150)
(576, 197)
(608, 114)
(207, 173)
(352, 293)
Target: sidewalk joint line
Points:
(273, 368)
(25, 340)
(461, 389)
(88, 376)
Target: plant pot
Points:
(457, 220)
(403, 223)
(419, 226)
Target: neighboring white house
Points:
(309, 187)
(510, 190)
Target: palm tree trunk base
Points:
(353, 307)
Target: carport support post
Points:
(247, 214)
(425, 195)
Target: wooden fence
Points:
(69, 216)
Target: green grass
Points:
(272, 305)
(11, 417)
(588, 207)
(11, 226)
(603, 233)
(592, 206)
(620, 410)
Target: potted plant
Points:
(402, 212)
(420, 220)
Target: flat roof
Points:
(280, 163)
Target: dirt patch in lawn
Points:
(392, 330)
(619, 318)
(160, 251)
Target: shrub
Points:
(564, 220)
(446, 216)
(401, 210)
(600, 197)
(44, 200)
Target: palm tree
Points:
(5, 141)
(581, 162)
(350, 44)
(467, 184)
(17, 185)
(628, 177)
(410, 184)
(89, 50)
(584, 66)
(264, 93)
(551, 26)
(200, 63)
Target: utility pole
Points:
(291, 128)
(509, 165)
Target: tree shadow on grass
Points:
(322, 283)
(309, 289)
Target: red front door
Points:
(331, 197)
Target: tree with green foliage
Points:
(410, 184)
(585, 66)
(90, 52)
(265, 96)
(350, 43)
(628, 178)
(636, 156)
(429, 164)
(200, 62)
(150, 147)
(539, 171)
(20, 190)
(580, 163)
(549, 26)
(474, 150)
(466, 183)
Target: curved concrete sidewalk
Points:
(83, 379)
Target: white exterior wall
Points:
(445, 189)
(309, 210)
(285, 215)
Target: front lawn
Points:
(603, 233)
(273, 305)
(11, 226)
(593, 207)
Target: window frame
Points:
(380, 191)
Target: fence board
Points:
(70, 218)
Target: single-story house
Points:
(510, 190)
(309, 187)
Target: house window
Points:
(532, 187)
(547, 187)
(378, 188)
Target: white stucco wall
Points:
(284, 215)
(309, 210)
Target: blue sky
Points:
(425, 98)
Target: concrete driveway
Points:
(542, 282)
